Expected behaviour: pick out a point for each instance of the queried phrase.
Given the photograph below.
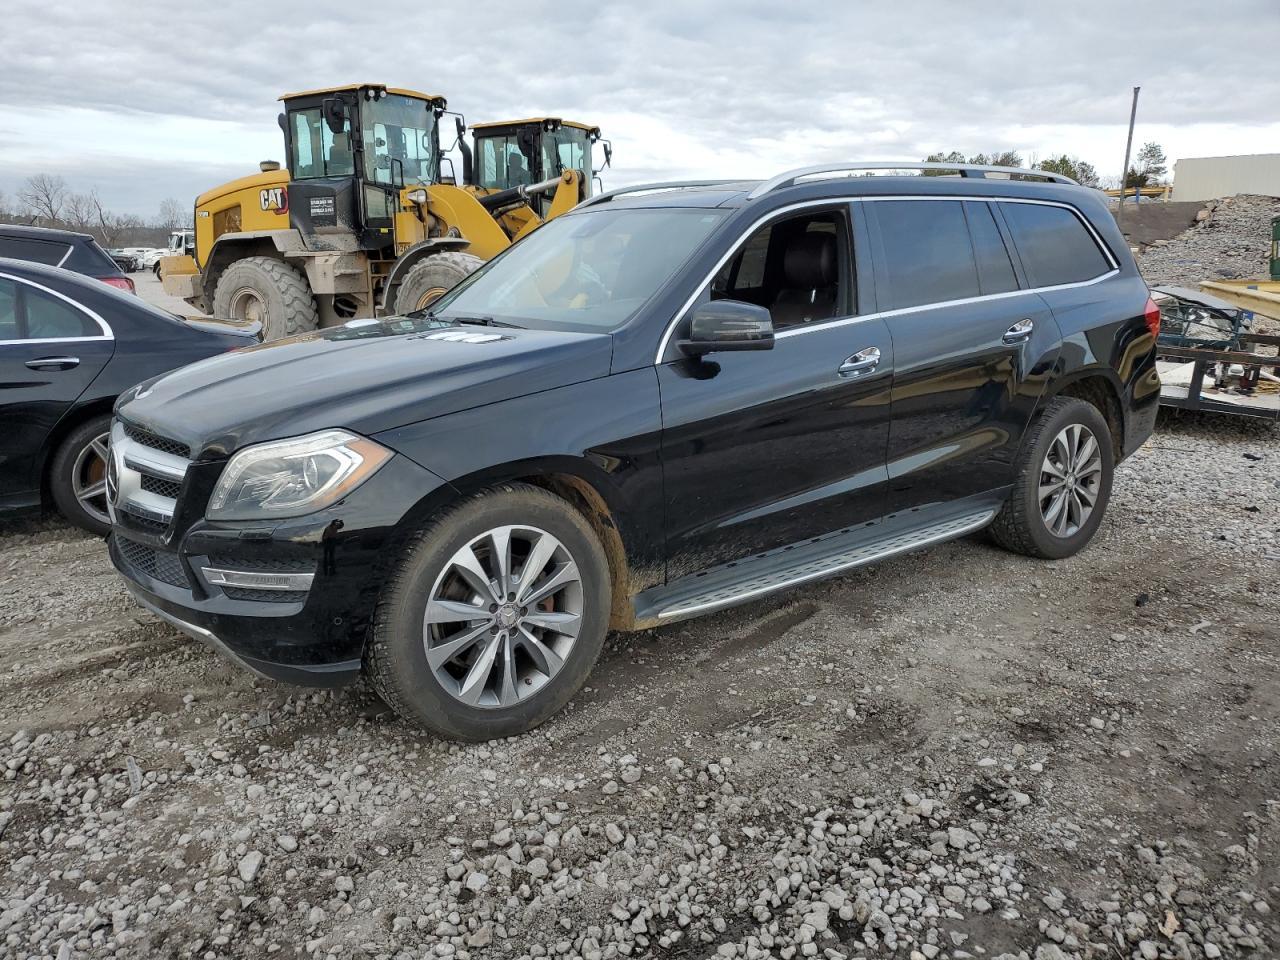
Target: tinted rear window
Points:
(928, 257)
(50, 318)
(33, 251)
(1054, 245)
(995, 269)
(88, 257)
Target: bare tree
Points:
(78, 212)
(45, 195)
(172, 215)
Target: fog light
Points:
(253, 580)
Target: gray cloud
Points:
(769, 81)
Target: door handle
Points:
(864, 361)
(1020, 331)
(57, 363)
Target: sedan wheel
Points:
(77, 475)
(89, 478)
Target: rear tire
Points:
(1063, 483)
(511, 665)
(78, 469)
(269, 291)
(429, 279)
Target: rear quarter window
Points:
(33, 251)
(88, 257)
(1054, 244)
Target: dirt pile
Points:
(1230, 242)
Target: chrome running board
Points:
(791, 566)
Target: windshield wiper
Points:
(479, 322)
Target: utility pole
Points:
(1128, 146)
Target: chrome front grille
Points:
(145, 474)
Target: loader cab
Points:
(522, 152)
(350, 152)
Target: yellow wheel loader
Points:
(362, 223)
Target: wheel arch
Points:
(69, 422)
(1101, 388)
(583, 486)
(230, 247)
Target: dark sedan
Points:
(69, 345)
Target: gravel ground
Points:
(956, 753)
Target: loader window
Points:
(399, 133)
(566, 149)
(317, 150)
(502, 165)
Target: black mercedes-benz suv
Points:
(674, 399)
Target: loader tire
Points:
(269, 291)
(428, 279)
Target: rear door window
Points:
(33, 251)
(995, 269)
(1055, 246)
(927, 253)
(91, 259)
(49, 318)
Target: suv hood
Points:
(367, 376)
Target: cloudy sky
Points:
(150, 100)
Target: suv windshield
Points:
(589, 271)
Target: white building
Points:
(1206, 178)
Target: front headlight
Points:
(290, 478)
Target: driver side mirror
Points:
(728, 325)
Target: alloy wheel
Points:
(1070, 480)
(89, 478)
(503, 616)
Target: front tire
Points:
(431, 277)
(78, 475)
(269, 291)
(494, 616)
(1063, 484)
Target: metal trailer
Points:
(1209, 360)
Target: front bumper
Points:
(327, 570)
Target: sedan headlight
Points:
(290, 478)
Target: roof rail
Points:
(964, 169)
(643, 187)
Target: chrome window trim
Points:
(107, 333)
(933, 305)
(67, 256)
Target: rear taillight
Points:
(1152, 316)
(120, 283)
